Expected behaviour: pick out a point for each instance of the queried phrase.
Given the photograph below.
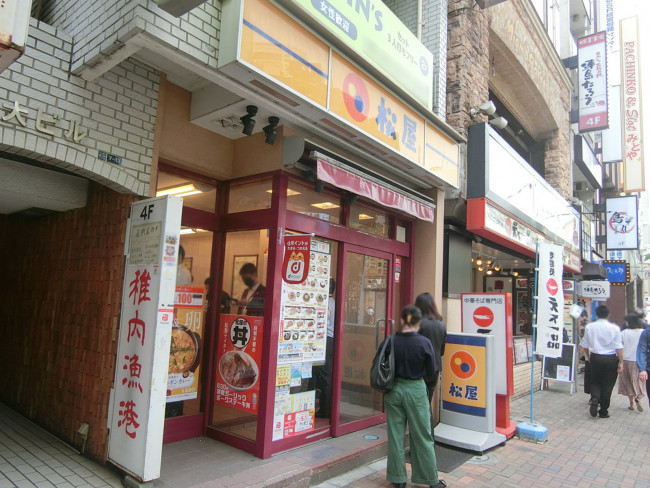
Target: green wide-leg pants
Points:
(408, 403)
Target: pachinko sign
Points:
(137, 408)
(550, 300)
(295, 266)
(238, 362)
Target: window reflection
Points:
(369, 220)
(196, 194)
(249, 196)
(307, 201)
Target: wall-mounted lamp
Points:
(271, 131)
(488, 108)
(248, 121)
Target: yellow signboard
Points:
(464, 379)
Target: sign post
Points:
(136, 416)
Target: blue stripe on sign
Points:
(469, 341)
(467, 409)
(446, 158)
(284, 48)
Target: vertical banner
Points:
(633, 170)
(592, 82)
(295, 266)
(622, 223)
(550, 300)
(137, 407)
(238, 362)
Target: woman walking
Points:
(629, 383)
(408, 403)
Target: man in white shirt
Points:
(604, 351)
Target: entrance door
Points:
(367, 316)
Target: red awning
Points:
(359, 185)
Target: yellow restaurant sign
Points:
(278, 47)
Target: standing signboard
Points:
(550, 300)
(137, 405)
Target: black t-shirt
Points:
(414, 356)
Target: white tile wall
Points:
(118, 110)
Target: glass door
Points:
(367, 316)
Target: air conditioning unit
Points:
(14, 23)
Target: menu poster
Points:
(238, 362)
(187, 334)
(303, 311)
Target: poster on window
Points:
(184, 351)
(238, 362)
(303, 311)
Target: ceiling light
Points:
(180, 191)
(363, 216)
(290, 192)
(325, 205)
(480, 268)
(248, 121)
(479, 261)
(488, 272)
(515, 273)
(271, 131)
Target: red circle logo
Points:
(462, 365)
(551, 286)
(483, 316)
(355, 97)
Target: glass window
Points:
(249, 196)
(196, 194)
(369, 220)
(188, 331)
(307, 201)
(240, 331)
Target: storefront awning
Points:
(379, 192)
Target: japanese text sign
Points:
(618, 272)
(550, 300)
(633, 167)
(622, 223)
(597, 289)
(137, 410)
(239, 357)
(464, 376)
(492, 313)
(295, 266)
(592, 82)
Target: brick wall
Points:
(118, 112)
(61, 309)
(101, 28)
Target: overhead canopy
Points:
(379, 192)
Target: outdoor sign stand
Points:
(532, 430)
(467, 415)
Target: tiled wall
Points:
(117, 111)
(61, 306)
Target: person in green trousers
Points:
(408, 403)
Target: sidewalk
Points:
(580, 452)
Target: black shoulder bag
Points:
(382, 371)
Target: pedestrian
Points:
(407, 402)
(604, 350)
(433, 328)
(642, 355)
(641, 314)
(629, 383)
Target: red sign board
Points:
(295, 267)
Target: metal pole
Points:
(532, 361)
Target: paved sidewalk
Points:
(580, 452)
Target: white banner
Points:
(633, 178)
(622, 223)
(550, 300)
(592, 82)
(137, 407)
(597, 289)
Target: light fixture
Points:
(489, 272)
(479, 262)
(248, 121)
(271, 131)
(325, 205)
(496, 267)
(180, 191)
(480, 268)
(363, 216)
(290, 192)
(515, 273)
(499, 122)
(486, 108)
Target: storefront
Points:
(510, 207)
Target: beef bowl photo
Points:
(238, 370)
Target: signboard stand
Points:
(468, 398)
(561, 369)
